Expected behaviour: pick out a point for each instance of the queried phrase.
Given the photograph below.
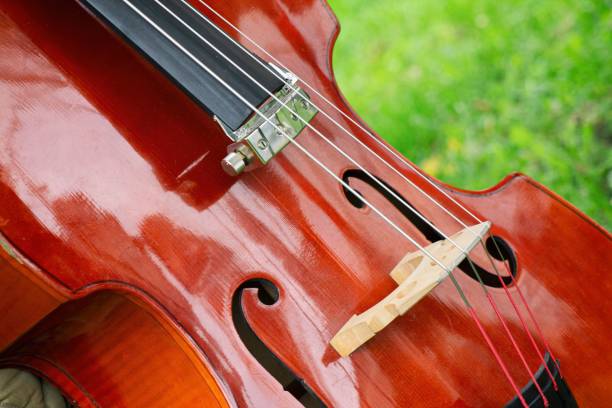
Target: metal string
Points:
(381, 143)
(281, 131)
(383, 185)
(404, 161)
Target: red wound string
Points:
(533, 342)
(529, 311)
(518, 350)
(537, 326)
(497, 357)
(506, 329)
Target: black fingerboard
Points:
(152, 40)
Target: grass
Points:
(472, 90)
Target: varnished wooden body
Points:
(94, 197)
(108, 348)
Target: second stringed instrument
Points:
(192, 215)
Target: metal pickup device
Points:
(268, 132)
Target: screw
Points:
(234, 163)
(262, 144)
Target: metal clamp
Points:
(259, 140)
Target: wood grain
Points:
(94, 144)
(115, 353)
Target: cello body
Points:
(124, 243)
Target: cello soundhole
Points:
(497, 248)
(354, 199)
(268, 294)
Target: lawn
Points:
(472, 90)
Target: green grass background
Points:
(472, 90)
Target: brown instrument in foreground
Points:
(323, 270)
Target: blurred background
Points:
(472, 90)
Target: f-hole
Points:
(496, 246)
(268, 294)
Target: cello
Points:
(192, 215)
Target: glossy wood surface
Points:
(107, 351)
(94, 148)
(24, 298)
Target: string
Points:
(529, 311)
(253, 108)
(281, 131)
(362, 128)
(404, 161)
(383, 185)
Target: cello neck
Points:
(170, 34)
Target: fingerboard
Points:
(169, 33)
